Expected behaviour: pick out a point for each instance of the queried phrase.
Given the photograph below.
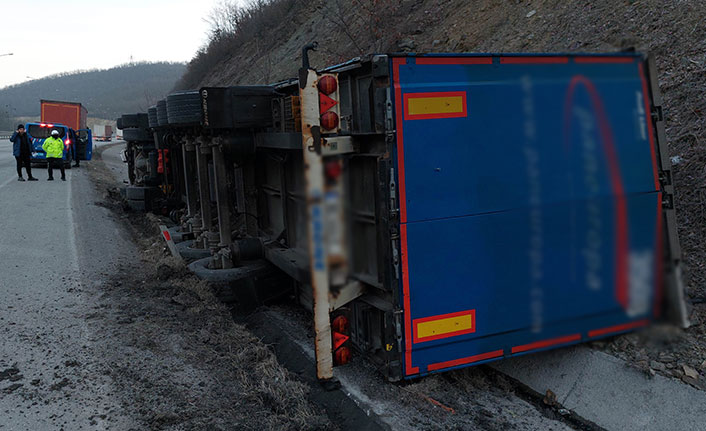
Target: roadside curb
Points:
(602, 389)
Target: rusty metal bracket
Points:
(332, 146)
(315, 183)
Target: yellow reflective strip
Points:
(444, 326)
(435, 105)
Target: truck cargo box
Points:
(71, 114)
(530, 203)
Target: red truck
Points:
(71, 114)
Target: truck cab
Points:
(78, 144)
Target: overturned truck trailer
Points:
(436, 211)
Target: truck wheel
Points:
(187, 252)
(184, 107)
(249, 269)
(162, 118)
(140, 193)
(137, 135)
(137, 205)
(135, 120)
(152, 116)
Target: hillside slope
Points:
(673, 31)
(105, 93)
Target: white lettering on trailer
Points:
(641, 280)
(640, 112)
(534, 191)
(591, 251)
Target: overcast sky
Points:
(53, 36)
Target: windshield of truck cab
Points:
(42, 132)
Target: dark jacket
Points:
(17, 143)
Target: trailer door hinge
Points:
(394, 211)
(657, 114)
(388, 112)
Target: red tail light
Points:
(333, 170)
(327, 84)
(340, 324)
(68, 141)
(342, 356)
(329, 120)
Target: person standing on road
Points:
(21, 150)
(54, 147)
(74, 147)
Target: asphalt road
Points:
(55, 249)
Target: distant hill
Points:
(105, 93)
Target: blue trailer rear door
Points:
(529, 203)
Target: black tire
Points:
(250, 269)
(137, 205)
(187, 252)
(137, 135)
(140, 193)
(135, 120)
(120, 123)
(184, 108)
(152, 116)
(162, 118)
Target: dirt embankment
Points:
(179, 360)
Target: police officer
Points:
(54, 147)
(21, 150)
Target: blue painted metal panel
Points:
(38, 154)
(537, 206)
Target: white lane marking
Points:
(77, 276)
(72, 231)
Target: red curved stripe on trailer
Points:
(648, 123)
(618, 328)
(454, 60)
(409, 369)
(621, 218)
(606, 59)
(534, 60)
(546, 343)
(464, 361)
